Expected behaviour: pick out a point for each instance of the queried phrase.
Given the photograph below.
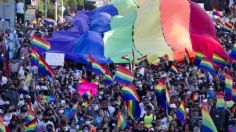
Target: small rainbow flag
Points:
(194, 96)
(49, 21)
(187, 58)
(3, 127)
(96, 67)
(143, 58)
(198, 58)
(123, 75)
(174, 69)
(233, 52)
(87, 95)
(228, 86)
(162, 94)
(133, 109)
(207, 123)
(229, 26)
(108, 80)
(44, 68)
(207, 65)
(181, 112)
(121, 121)
(220, 103)
(219, 60)
(47, 99)
(130, 93)
(34, 58)
(225, 28)
(31, 127)
(40, 44)
(216, 14)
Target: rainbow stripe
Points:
(216, 14)
(162, 94)
(181, 112)
(87, 95)
(207, 123)
(186, 57)
(228, 86)
(49, 21)
(44, 68)
(98, 68)
(108, 80)
(40, 44)
(34, 58)
(174, 69)
(123, 76)
(225, 28)
(3, 127)
(160, 87)
(143, 58)
(207, 65)
(219, 60)
(198, 58)
(121, 121)
(130, 93)
(47, 99)
(31, 127)
(220, 103)
(133, 109)
(233, 52)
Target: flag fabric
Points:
(31, 127)
(187, 58)
(173, 69)
(233, 52)
(207, 123)
(133, 109)
(220, 103)
(162, 94)
(34, 58)
(216, 14)
(181, 112)
(87, 86)
(198, 58)
(123, 75)
(228, 86)
(130, 93)
(121, 121)
(49, 21)
(133, 60)
(97, 68)
(219, 60)
(108, 80)
(87, 95)
(208, 66)
(3, 127)
(47, 99)
(44, 68)
(40, 44)
(143, 58)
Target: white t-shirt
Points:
(20, 7)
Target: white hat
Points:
(173, 106)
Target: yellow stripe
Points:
(148, 34)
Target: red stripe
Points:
(124, 70)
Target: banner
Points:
(55, 59)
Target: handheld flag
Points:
(162, 94)
(173, 69)
(3, 127)
(96, 67)
(187, 59)
(228, 86)
(220, 100)
(108, 80)
(87, 95)
(49, 21)
(181, 112)
(207, 65)
(40, 44)
(133, 109)
(219, 60)
(123, 75)
(143, 58)
(44, 68)
(121, 121)
(198, 58)
(130, 93)
(34, 58)
(233, 52)
(207, 123)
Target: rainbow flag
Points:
(216, 14)
(130, 93)
(108, 80)
(143, 58)
(229, 26)
(3, 127)
(47, 99)
(96, 67)
(34, 58)
(187, 59)
(233, 52)
(31, 127)
(133, 109)
(220, 103)
(123, 75)
(228, 86)
(207, 65)
(198, 58)
(219, 60)
(226, 28)
(87, 95)
(162, 94)
(44, 68)
(49, 21)
(40, 44)
(181, 112)
(207, 123)
(121, 121)
(174, 69)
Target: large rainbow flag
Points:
(44, 68)
(207, 123)
(162, 94)
(40, 44)
(130, 93)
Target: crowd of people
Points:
(21, 85)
